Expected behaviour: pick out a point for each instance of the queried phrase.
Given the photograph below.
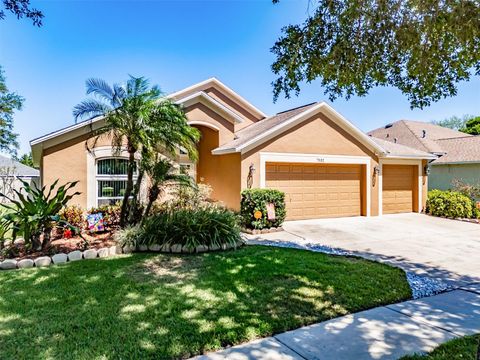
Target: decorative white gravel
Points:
(421, 286)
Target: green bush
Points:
(73, 215)
(450, 204)
(256, 200)
(205, 226)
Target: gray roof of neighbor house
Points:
(416, 134)
(459, 150)
(251, 131)
(400, 150)
(16, 168)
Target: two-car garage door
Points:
(317, 190)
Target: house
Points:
(11, 174)
(457, 154)
(326, 166)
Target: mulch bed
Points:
(94, 241)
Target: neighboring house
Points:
(326, 166)
(457, 154)
(11, 172)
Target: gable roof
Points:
(411, 133)
(401, 151)
(17, 168)
(215, 83)
(272, 126)
(459, 150)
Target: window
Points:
(111, 180)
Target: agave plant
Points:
(34, 214)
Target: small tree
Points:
(161, 173)
(472, 126)
(138, 118)
(34, 215)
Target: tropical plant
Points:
(162, 174)
(73, 215)
(34, 215)
(139, 119)
(212, 226)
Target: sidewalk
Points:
(387, 332)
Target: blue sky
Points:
(174, 44)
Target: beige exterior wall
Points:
(318, 135)
(200, 112)
(221, 172)
(68, 162)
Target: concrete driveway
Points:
(445, 249)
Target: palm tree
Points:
(137, 117)
(162, 173)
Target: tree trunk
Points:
(152, 196)
(128, 190)
(36, 244)
(134, 213)
(47, 238)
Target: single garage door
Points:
(399, 188)
(317, 190)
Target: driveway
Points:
(445, 249)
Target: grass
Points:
(165, 306)
(465, 348)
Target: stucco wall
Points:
(441, 176)
(318, 135)
(221, 172)
(68, 162)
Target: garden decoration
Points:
(95, 222)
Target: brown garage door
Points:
(315, 191)
(399, 188)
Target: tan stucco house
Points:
(326, 166)
(457, 155)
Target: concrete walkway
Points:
(387, 332)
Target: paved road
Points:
(387, 332)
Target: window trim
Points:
(108, 177)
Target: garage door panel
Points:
(398, 188)
(317, 190)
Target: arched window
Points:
(111, 180)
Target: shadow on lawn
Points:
(158, 306)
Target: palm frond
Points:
(100, 88)
(90, 108)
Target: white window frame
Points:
(106, 177)
(93, 156)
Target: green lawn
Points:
(465, 348)
(165, 306)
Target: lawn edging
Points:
(76, 255)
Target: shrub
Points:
(111, 214)
(128, 236)
(450, 204)
(206, 226)
(73, 215)
(254, 200)
(35, 212)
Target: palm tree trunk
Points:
(134, 213)
(128, 190)
(152, 197)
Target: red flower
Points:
(67, 233)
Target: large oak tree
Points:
(421, 47)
